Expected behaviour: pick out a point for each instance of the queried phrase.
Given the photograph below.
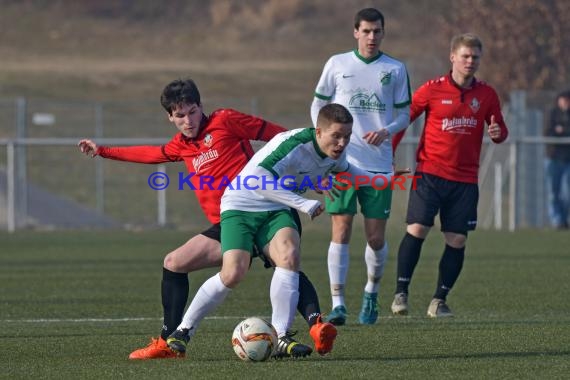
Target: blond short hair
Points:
(466, 39)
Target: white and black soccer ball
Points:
(254, 339)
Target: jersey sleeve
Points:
(316, 106)
(324, 92)
(251, 127)
(278, 162)
(326, 85)
(279, 193)
(144, 154)
(420, 102)
(403, 92)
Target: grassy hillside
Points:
(272, 50)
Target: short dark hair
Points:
(179, 92)
(563, 94)
(370, 15)
(333, 113)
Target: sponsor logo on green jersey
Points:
(385, 78)
(366, 103)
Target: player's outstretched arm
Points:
(88, 147)
(143, 154)
(317, 211)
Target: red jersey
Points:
(213, 158)
(450, 144)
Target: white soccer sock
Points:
(284, 293)
(207, 298)
(338, 268)
(375, 261)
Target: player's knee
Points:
(418, 230)
(288, 260)
(231, 277)
(170, 263)
(342, 229)
(176, 263)
(455, 240)
(341, 235)
(376, 242)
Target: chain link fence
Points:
(45, 182)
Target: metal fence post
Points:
(513, 186)
(161, 200)
(99, 174)
(20, 163)
(10, 188)
(498, 196)
(254, 107)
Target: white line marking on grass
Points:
(106, 320)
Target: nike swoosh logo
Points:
(347, 76)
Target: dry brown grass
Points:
(108, 45)
(269, 49)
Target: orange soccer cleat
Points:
(157, 349)
(324, 334)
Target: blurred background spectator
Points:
(558, 162)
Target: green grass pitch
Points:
(75, 304)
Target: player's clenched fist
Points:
(494, 129)
(88, 147)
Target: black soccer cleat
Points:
(289, 347)
(178, 340)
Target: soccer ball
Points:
(254, 339)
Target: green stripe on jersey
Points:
(286, 147)
(404, 104)
(322, 97)
(367, 60)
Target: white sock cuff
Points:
(286, 273)
(338, 248)
(380, 253)
(219, 284)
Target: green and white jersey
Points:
(287, 166)
(372, 90)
